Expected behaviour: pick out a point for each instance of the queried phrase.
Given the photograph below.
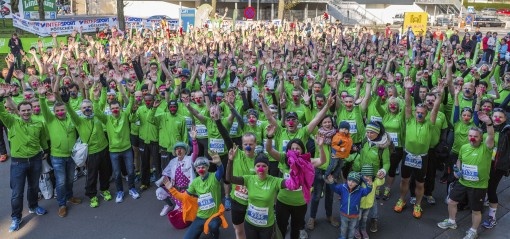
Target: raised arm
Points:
(317, 119)
(230, 172)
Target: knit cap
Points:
(344, 125)
(373, 127)
(354, 176)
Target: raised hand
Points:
(271, 129)
(319, 139)
(232, 152)
(41, 90)
(215, 157)
(193, 132)
(408, 83)
(482, 116)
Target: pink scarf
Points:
(302, 173)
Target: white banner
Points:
(64, 27)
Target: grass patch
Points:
(480, 6)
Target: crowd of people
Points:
(263, 121)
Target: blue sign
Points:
(469, 19)
(187, 18)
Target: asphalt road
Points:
(140, 218)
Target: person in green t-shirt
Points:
(472, 169)
(263, 188)
(417, 144)
(207, 189)
(291, 203)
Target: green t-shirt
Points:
(208, 191)
(475, 165)
(370, 156)
(460, 138)
(117, 128)
(283, 136)
(242, 165)
(441, 124)
(260, 211)
(171, 128)
(355, 120)
(395, 127)
(62, 133)
(202, 129)
(418, 136)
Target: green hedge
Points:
(480, 6)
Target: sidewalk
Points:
(501, 231)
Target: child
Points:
(341, 145)
(367, 172)
(350, 199)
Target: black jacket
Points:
(15, 48)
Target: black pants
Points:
(395, 158)
(3, 149)
(297, 218)
(495, 178)
(146, 151)
(165, 157)
(97, 165)
(430, 178)
(253, 232)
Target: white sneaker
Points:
(303, 234)
(165, 211)
(134, 194)
(120, 197)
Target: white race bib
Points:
(241, 192)
(189, 122)
(284, 145)
(413, 161)
(257, 215)
(206, 202)
(394, 138)
(217, 145)
(470, 172)
(353, 128)
(234, 128)
(376, 118)
(137, 123)
(264, 145)
(201, 130)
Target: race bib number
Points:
(284, 145)
(394, 138)
(353, 129)
(189, 122)
(201, 130)
(217, 145)
(286, 176)
(413, 161)
(299, 126)
(234, 128)
(206, 202)
(470, 172)
(272, 145)
(241, 192)
(257, 215)
(376, 118)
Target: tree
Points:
(120, 15)
(40, 5)
(285, 5)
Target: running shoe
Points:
(166, 209)
(489, 223)
(38, 210)
(417, 211)
(120, 197)
(431, 200)
(94, 202)
(106, 195)
(16, 222)
(386, 194)
(134, 194)
(470, 234)
(447, 224)
(399, 206)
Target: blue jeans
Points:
(347, 227)
(64, 175)
(21, 169)
(318, 188)
(197, 227)
(363, 217)
(127, 156)
(374, 211)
